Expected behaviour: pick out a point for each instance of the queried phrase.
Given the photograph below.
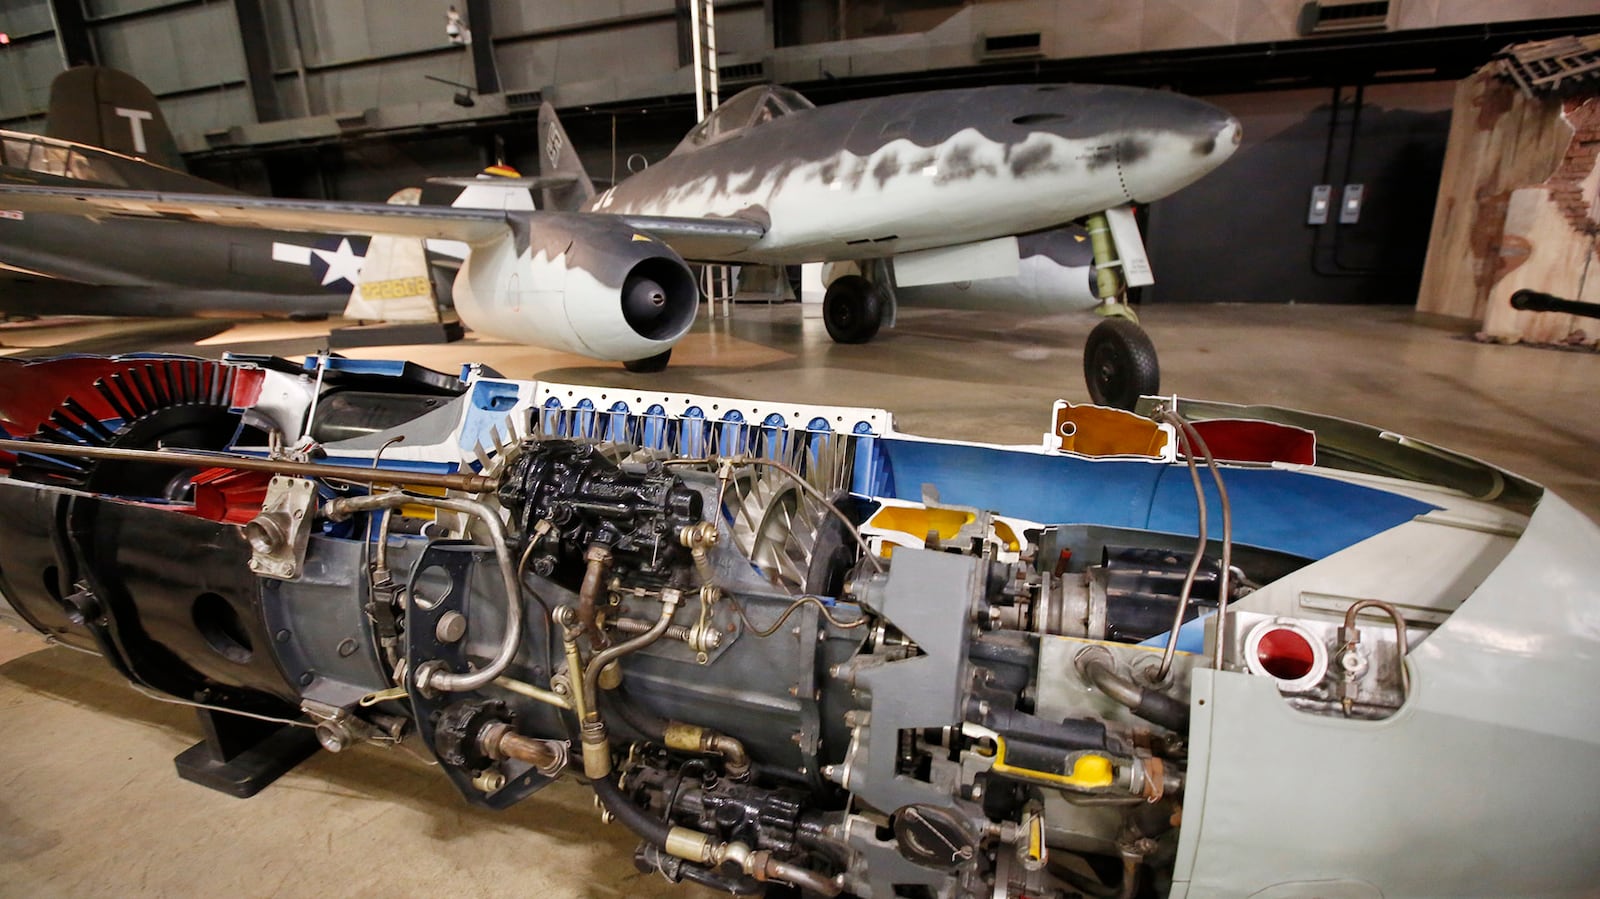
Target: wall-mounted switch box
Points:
(1350, 207)
(1321, 196)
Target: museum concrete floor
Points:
(89, 804)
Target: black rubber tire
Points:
(649, 364)
(1119, 364)
(852, 309)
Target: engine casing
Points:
(565, 283)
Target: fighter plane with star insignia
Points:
(105, 131)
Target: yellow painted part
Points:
(502, 171)
(919, 520)
(1035, 837)
(1089, 771)
(1098, 431)
(1007, 536)
(1108, 279)
(414, 510)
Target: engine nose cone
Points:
(643, 303)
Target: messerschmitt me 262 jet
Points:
(932, 188)
(912, 189)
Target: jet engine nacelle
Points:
(581, 284)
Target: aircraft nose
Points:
(1185, 149)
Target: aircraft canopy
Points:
(746, 109)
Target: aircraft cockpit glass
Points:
(49, 160)
(14, 153)
(62, 161)
(745, 109)
(100, 169)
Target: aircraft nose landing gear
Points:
(1119, 364)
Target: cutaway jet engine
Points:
(1205, 651)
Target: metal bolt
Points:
(282, 636)
(451, 627)
(347, 648)
(489, 780)
(333, 737)
(307, 677)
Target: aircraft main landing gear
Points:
(1119, 364)
(852, 309)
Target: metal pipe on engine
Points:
(1098, 666)
(466, 483)
(586, 689)
(432, 675)
(501, 741)
(598, 557)
(693, 738)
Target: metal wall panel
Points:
(645, 51)
(395, 83)
(344, 31)
(1240, 233)
(21, 92)
(95, 9)
(1440, 13)
(1179, 24)
(1259, 21)
(209, 111)
(26, 17)
(194, 47)
(523, 18)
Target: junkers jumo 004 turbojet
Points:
(1206, 651)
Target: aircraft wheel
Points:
(649, 364)
(1119, 364)
(852, 309)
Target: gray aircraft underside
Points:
(1055, 274)
(176, 268)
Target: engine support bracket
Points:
(242, 756)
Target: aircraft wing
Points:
(701, 239)
(425, 222)
(692, 238)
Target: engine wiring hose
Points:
(1097, 665)
(435, 678)
(1190, 440)
(807, 599)
(651, 829)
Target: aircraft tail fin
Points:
(396, 284)
(113, 110)
(558, 158)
